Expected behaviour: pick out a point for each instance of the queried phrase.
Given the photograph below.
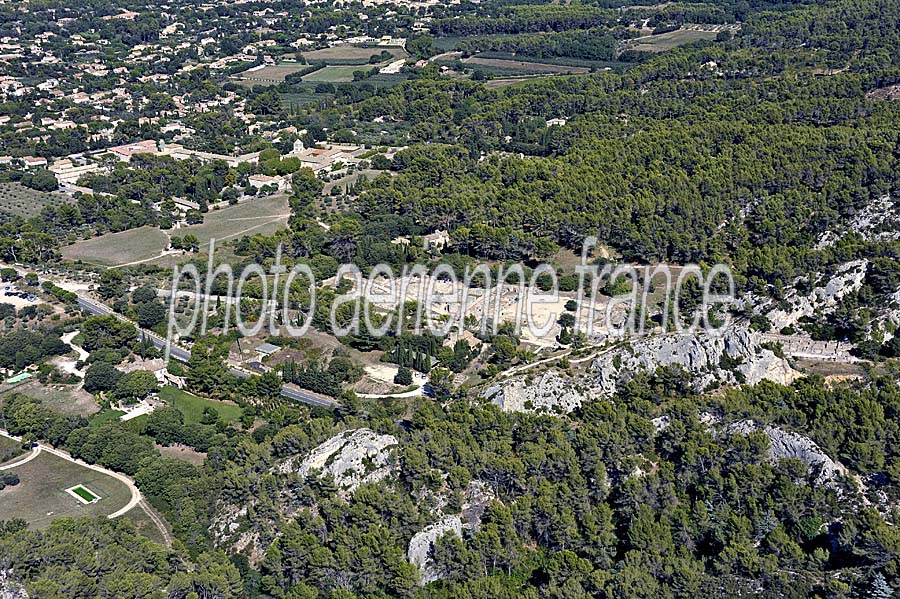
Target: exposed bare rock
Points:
(478, 496)
(876, 222)
(790, 445)
(848, 279)
(10, 588)
(549, 393)
(735, 356)
(353, 458)
(419, 552)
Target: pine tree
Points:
(879, 588)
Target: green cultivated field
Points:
(18, 200)
(336, 74)
(192, 406)
(352, 54)
(41, 497)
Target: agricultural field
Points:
(41, 495)
(270, 75)
(335, 74)
(672, 39)
(192, 406)
(148, 244)
(18, 200)
(348, 55)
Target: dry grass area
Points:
(114, 249)
(262, 215)
(669, 40)
(64, 399)
(525, 66)
(148, 244)
(40, 497)
(184, 453)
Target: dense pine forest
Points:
(745, 149)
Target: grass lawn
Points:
(336, 74)
(192, 406)
(41, 497)
(105, 416)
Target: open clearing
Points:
(18, 200)
(192, 406)
(147, 244)
(271, 75)
(10, 449)
(667, 41)
(352, 54)
(336, 74)
(118, 248)
(522, 66)
(64, 399)
(41, 496)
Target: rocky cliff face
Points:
(790, 445)
(550, 393)
(736, 356)
(477, 497)
(353, 458)
(824, 298)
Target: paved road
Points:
(291, 392)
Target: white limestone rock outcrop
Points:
(549, 393)
(419, 552)
(701, 355)
(878, 221)
(790, 445)
(477, 497)
(10, 588)
(849, 277)
(353, 458)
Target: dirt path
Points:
(151, 513)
